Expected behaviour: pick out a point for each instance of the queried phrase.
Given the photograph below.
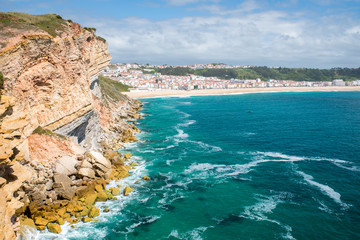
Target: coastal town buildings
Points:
(144, 78)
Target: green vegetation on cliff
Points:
(50, 23)
(266, 73)
(111, 90)
(42, 131)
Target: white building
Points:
(338, 82)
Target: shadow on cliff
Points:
(7, 173)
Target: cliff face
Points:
(51, 82)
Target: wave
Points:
(181, 134)
(143, 221)
(264, 207)
(276, 156)
(324, 188)
(187, 123)
(205, 170)
(194, 234)
(205, 146)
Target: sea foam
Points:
(323, 188)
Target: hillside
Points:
(266, 73)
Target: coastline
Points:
(173, 93)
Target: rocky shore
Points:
(59, 129)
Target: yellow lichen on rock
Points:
(54, 228)
(94, 212)
(127, 190)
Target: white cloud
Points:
(186, 2)
(271, 38)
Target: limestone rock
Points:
(115, 191)
(60, 221)
(99, 158)
(27, 225)
(54, 228)
(51, 216)
(41, 221)
(101, 196)
(16, 122)
(94, 212)
(86, 219)
(66, 165)
(62, 180)
(127, 155)
(86, 172)
(127, 190)
(65, 193)
(85, 164)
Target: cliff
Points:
(53, 113)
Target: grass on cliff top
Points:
(111, 90)
(42, 131)
(50, 23)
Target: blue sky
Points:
(294, 33)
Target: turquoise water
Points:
(251, 166)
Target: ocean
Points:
(248, 166)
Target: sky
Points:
(294, 33)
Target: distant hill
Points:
(266, 73)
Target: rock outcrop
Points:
(56, 123)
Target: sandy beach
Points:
(153, 94)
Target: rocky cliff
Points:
(54, 117)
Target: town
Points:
(145, 78)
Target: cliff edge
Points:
(55, 119)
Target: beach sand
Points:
(153, 94)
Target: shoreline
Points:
(210, 92)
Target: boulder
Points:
(41, 221)
(65, 193)
(54, 227)
(99, 158)
(127, 155)
(27, 225)
(98, 187)
(51, 216)
(106, 210)
(86, 172)
(94, 212)
(101, 196)
(41, 228)
(115, 191)
(60, 221)
(66, 165)
(111, 154)
(37, 196)
(62, 181)
(127, 190)
(61, 212)
(102, 168)
(146, 178)
(85, 164)
(88, 194)
(86, 219)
